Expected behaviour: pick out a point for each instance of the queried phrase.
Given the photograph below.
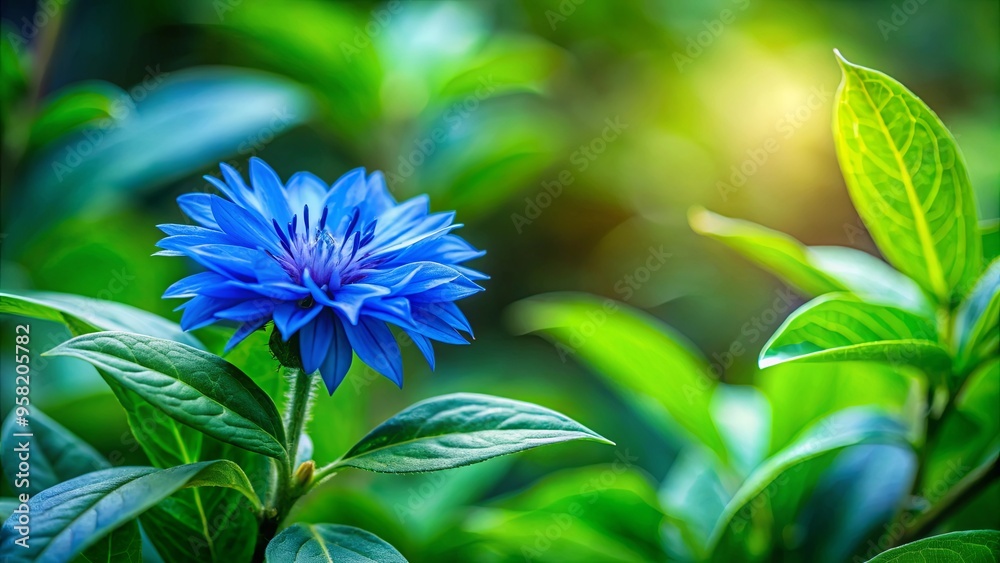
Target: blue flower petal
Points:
(198, 208)
(314, 342)
(228, 260)
(303, 189)
(247, 228)
(200, 311)
(269, 192)
(248, 311)
(375, 345)
(379, 198)
(338, 357)
(424, 345)
(192, 285)
(289, 317)
(245, 330)
(350, 299)
(347, 193)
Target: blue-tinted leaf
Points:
(83, 315)
(329, 543)
(153, 144)
(56, 454)
(81, 511)
(977, 321)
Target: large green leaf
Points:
(70, 109)
(460, 429)
(214, 521)
(814, 270)
(838, 327)
(81, 511)
(637, 354)
(194, 387)
(123, 544)
(84, 315)
(327, 543)
(842, 430)
(56, 454)
(975, 546)
(977, 321)
(908, 180)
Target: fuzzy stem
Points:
(286, 490)
(296, 414)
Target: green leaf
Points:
(693, 496)
(990, 231)
(219, 523)
(801, 397)
(872, 279)
(123, 544)
(842, 430)
(837, 327)
(13, 78)
(644, 359)
(194, 513)
(321, 543)
(460, 429)
(194, 387)
(908, 180)
(81, 511)
(814, 270)
(776, 252)
(84, 315)
(977, 321)
(976, 546)
(56, 453)
(92, 102)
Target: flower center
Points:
(316, 248)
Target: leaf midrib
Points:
(341, 461)
(79, 352)
(923, 230)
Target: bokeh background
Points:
(571, 136)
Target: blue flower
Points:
(334, 265)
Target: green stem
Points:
(324, 473)
(964, 491)
(296, 414)
(286, 491)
